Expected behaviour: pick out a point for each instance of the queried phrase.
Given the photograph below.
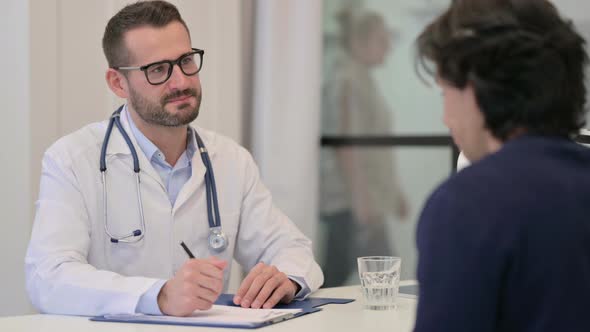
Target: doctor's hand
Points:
(264, 287)
(195, 286)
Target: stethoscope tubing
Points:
(137, 234)
(210, 185)
(213, 215)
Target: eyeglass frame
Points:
(144, 68)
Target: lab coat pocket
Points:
(123, 218)
(125, 258)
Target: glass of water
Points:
(379, 281)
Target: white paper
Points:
(217, 315)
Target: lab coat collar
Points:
(117, 143)
(118, 146)
(197, 178)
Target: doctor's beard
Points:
(155, 113)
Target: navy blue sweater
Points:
(504, 245)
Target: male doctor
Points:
(81, 262)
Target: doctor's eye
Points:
(188, 59)
(158, 69)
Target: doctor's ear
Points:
(117, 82)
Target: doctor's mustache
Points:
(184, 93)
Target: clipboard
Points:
(281, 313)
(307, 306)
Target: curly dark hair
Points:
(143, 13)
(525, 63)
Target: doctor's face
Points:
(176, 102)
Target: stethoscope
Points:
(217, 239)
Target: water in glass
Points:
(380, 289)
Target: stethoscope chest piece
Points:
(217, 239)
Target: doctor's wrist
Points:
(296, 286)
(162, 298)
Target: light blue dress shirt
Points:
(173, 178)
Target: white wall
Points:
(15, 132)
(54, 84)
(286, 102)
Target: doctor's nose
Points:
(178, 79)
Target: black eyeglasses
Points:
(159, 72)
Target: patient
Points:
(504, 245)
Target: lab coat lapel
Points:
(197, 179)
(118, 146)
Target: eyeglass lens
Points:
(160, 72)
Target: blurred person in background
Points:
(360, 190)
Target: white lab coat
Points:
(73, 268)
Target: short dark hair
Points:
(525, 62)
(143, 13)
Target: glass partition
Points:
(384, 146)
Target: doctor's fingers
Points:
(200, 292)
(284, 293)
(193, 303)
(273, 286)
(202, 267)
(243, 289)
(256, 286)
(177, 299)
(213, 284)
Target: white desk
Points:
(333, 317)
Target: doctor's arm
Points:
(274, 251)
(59, 278)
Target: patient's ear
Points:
(117, 82)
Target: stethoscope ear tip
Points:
(137, 232)
(114, 240)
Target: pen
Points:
(187, 250)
